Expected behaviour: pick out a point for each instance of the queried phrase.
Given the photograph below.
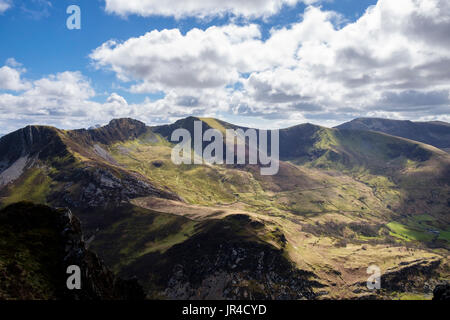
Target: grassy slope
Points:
(432, 133)
(33, 186)
(139, 231)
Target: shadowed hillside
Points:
(37, 244)
(434, 133)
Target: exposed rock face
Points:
(442, 292)
(14, 171)
(51, 240)
(99, 187)
(418, 276)
(32, 141)
(104, 187)
(116, 130)
(240, 272)
(410, 276)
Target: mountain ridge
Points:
(436, 133)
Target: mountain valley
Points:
(344, 199)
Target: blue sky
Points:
(52, 75)
(41, 41)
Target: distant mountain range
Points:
(344, 199)
(434, 133)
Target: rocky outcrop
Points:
(32, 142)
(418, 276)
(442, 293)
(410, 276)
(225, 260)
(240, 272)
(117, 130)
(39, 244)
(100, 187)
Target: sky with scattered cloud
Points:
(259, 63)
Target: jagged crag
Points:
(344, 199)
(38, 244)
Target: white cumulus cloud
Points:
(5, 5)
(66, 100)
(395, 59)
(168, 59)
(199, 8)
(11, 77)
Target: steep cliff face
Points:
(38, 244)
(31, 142)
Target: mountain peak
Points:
(30, 140)
(122, 122)
(116, 130)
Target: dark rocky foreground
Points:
(38, 243)
(442, 293)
